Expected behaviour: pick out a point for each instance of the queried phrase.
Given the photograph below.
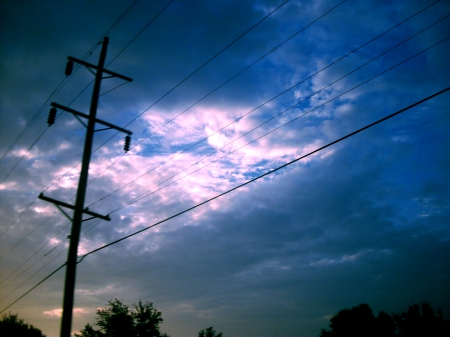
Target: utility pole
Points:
(79, 210)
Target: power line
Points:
(195, 71)
(210, 59)
(239, 186)
(279, 114)
(77, 66)
(34, 275)
(260, 58)
(31, 121)
(58, 89)
(271, 171)
(25, 209)
(151, 21)
(204, 64)
(123, 49)
(33, 255)
(34, 287)
(210, 93)
(142, 30)
(35, 228)
(87, 230)
(144, 195)
(333, 82)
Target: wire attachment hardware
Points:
(51, 116)
(126, 146)
(69, 68)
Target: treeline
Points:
(118, 320)
(419, 320)
(11, 325)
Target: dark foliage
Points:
(11, 326)
(117, 320)
(419, 320)
(209, 333)
(422, 320)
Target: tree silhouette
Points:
(357, 321)
(117, 320)
(417, 321)
(384, 325)
(209, 333)
(421, 320)
(11, 325)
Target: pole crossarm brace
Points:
(77, 113)
(90, 65)
(86, 211)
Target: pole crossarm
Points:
(90, 65)
(63, 204)
(80, 114)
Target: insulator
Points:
(51, 116)
(69, 67)
(126, 146)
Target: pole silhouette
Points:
(78, 208)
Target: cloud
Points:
(351, 224)
(58, 312)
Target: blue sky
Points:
(363, 221)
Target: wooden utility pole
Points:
(79, 210)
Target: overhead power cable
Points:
(30, 122)
(239, 118)
(33, 255)
(279, 114)
(34, 229)
(90, 52)
(138, 198)
(238, 187)
(271, 171)
(210, 59)
(195, 71)
(87, 229)
(151, 21)
(142, 30)
(290, 88)
(150, 192)
(204, 64)
(167, 92)
(123, 49)
(180, 83)
(58, 89)
(19, 285)
(217, 88)
(34, 287)
(228, 144)
(271, 131)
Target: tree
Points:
(357, 321)
(422, 320)
(209, 333)
(418, 321)
(117, 320)
(11, 325)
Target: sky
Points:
(222, 93)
